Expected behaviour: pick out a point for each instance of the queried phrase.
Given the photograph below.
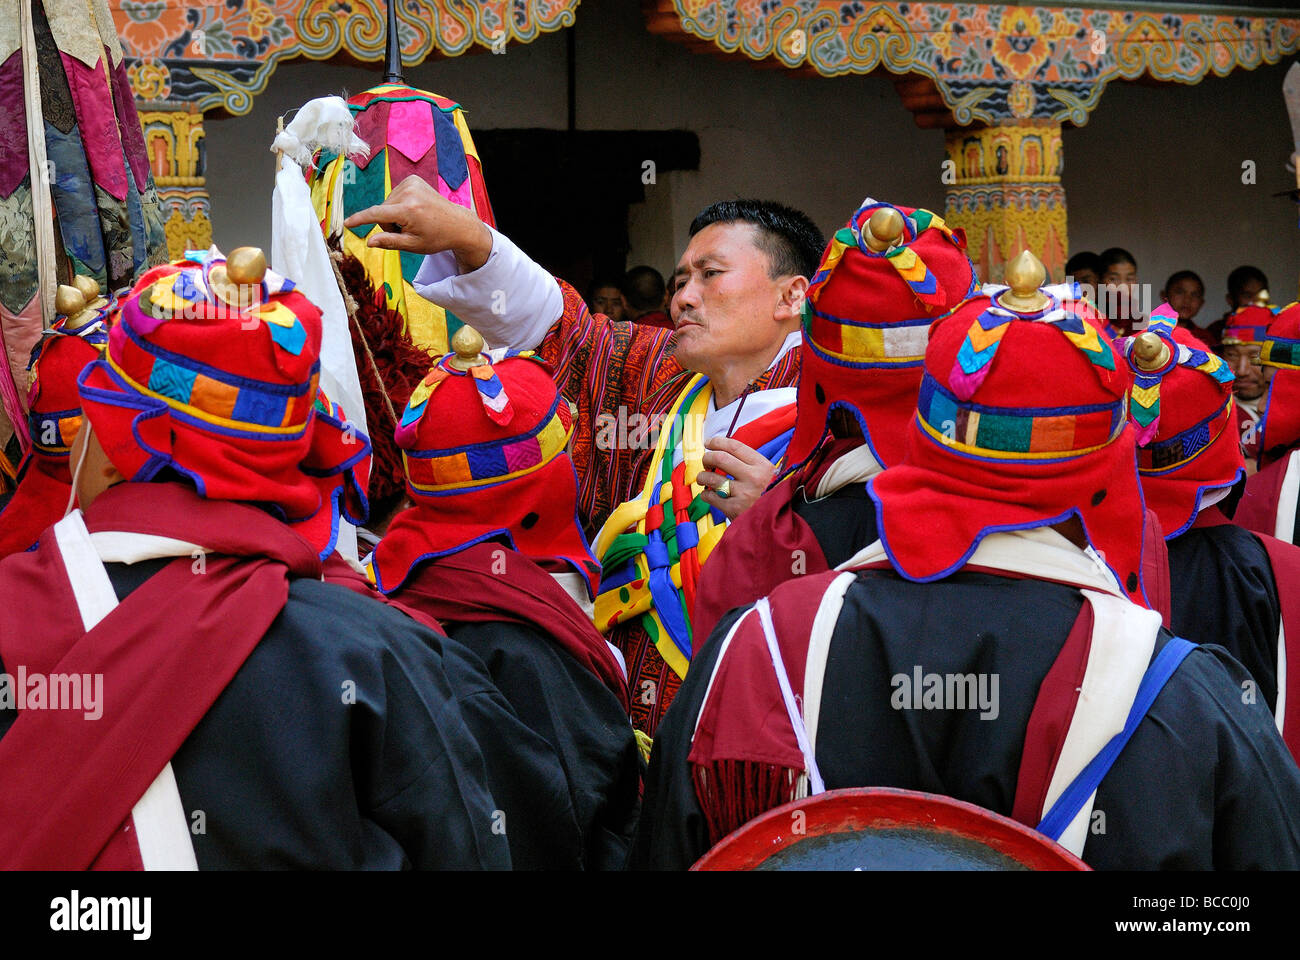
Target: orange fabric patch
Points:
(213, 396)
(1052, 433)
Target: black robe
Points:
(1205, 782)
(337, 745)
(1223, 591)
(843, 522)
(562, 760)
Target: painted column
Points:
(1004, 189)
(173, 139)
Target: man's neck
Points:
(732, 381)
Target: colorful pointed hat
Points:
(1025, 435)
(409, 132)
(53, 420)
(1280, 423)
(484, 442)
(884, 278)
(1185, 422)
(212, 371)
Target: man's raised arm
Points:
(469, 269)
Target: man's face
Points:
(609, 301)
(1088, 280)
(724, 302)
(1246, 295)
(1251, 380)
(1120, 283)
(1187, 297)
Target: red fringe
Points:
(733, 792)
(401, 366)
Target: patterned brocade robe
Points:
(624, 379)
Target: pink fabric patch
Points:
(524, 454)
(14, 164)
(18, 334)
(98, 124)
(461, 196)
(128, 122)
(410, 127)
(372, 127)
(137, 319)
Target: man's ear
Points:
(790, 306)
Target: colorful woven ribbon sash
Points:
(651, 549)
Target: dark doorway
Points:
(563, 196)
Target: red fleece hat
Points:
(212, 369)
(1185, 422)
(866, 318)
(1280, 425)
(53, 419)
(484, 453)
(1021, 421)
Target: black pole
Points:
(393, 52)
(572, 47)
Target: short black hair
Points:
(790, 239)
(643, 287)
(601, 282)
(1114, 255)
(1238, 279)
(1185, 275)
(1083, 260)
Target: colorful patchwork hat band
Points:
(884, 278)
(483, 442)
(1248, 324)
(1281, 346)
(1183, 412)
(212, 371)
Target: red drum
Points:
(879, 828)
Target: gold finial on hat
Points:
(883, 229)
(89, 288)
(232, 281)
(468, 346)
(246, 265)
(1025, 274)
(70, 302)
(1150, 351)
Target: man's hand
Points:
(418, 219)
(750, 472)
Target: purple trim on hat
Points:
(1007, 528)
(1201, 492)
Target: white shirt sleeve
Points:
(510, 300)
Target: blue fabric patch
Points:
(290, 339)
(942, 410)
(452, 165)
(171, 380)
(487, 462)
(73, 194)
(263, 409)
